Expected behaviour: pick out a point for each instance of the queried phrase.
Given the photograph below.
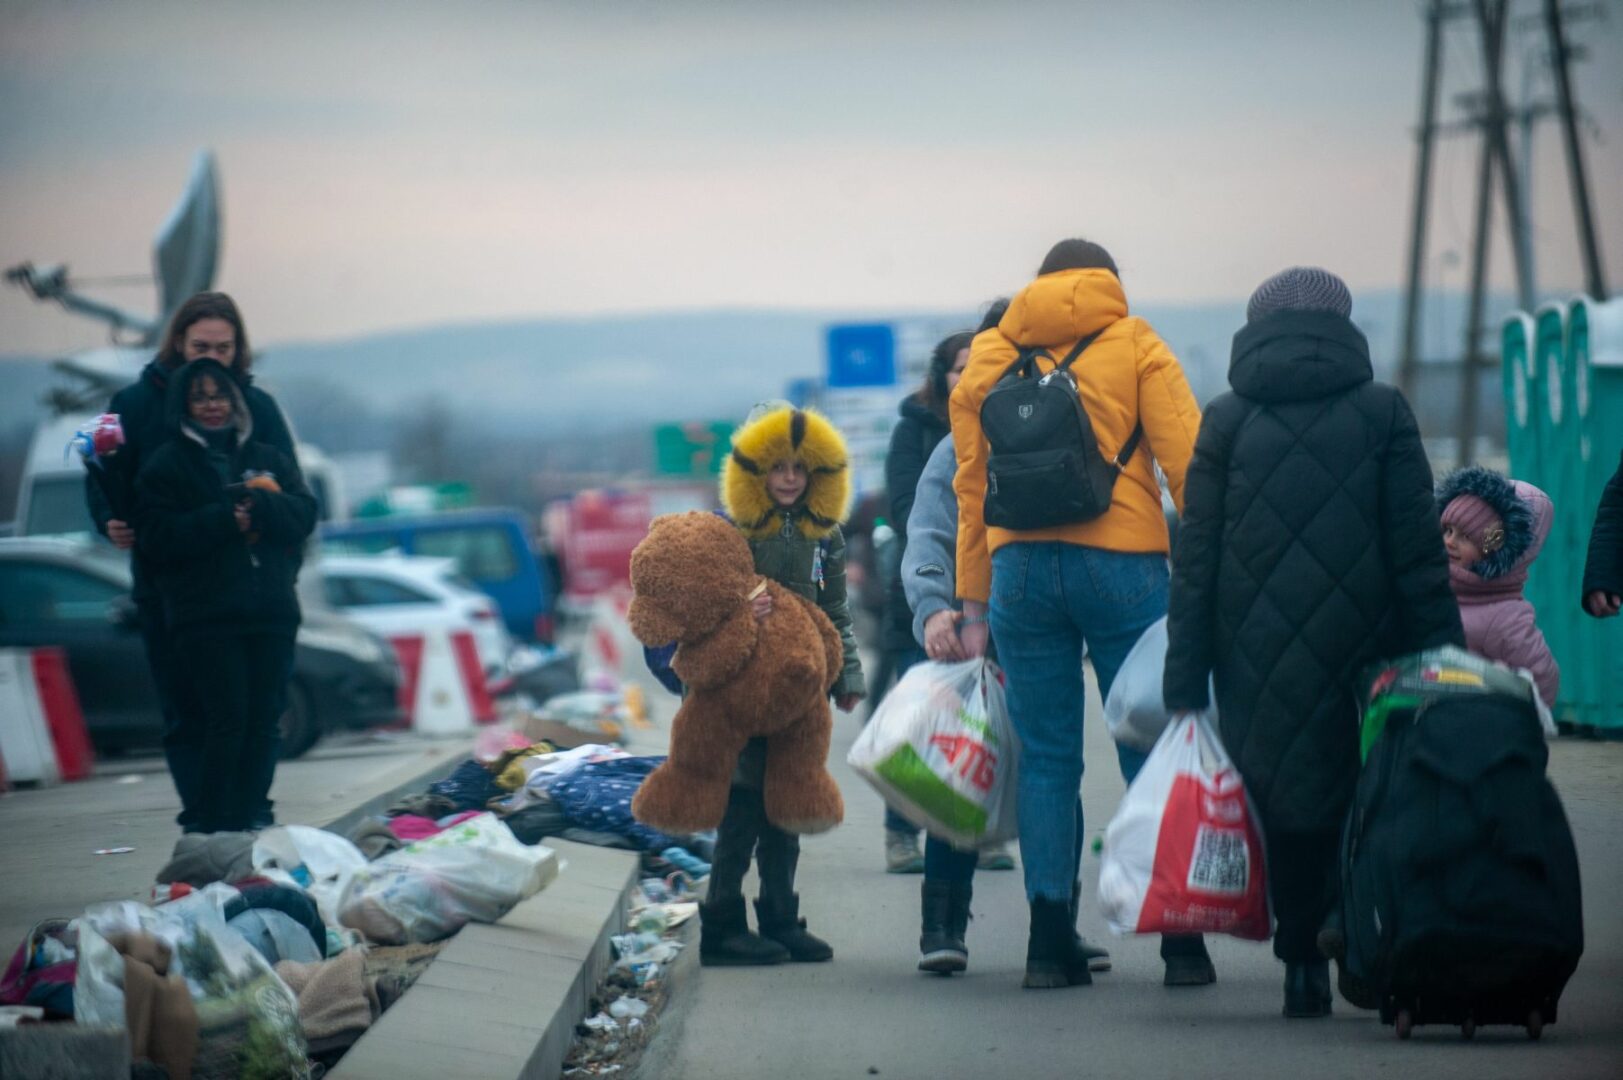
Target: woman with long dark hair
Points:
(922, 426)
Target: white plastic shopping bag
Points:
(1135, 711)
(474, 871)
(940, 750)
(315, 860)
(248, 1017)
(1184, 853)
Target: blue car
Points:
(490, 548)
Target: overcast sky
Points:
(402, 164)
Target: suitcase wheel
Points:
(1405, 1023)
(1535, 1025)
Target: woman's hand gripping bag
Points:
(941, 751)
(1184, 853)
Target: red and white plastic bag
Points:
(1184, 853)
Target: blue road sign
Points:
(861, 355)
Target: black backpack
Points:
(1045, 467)
(1460, 887)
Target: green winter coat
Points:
(816, 570)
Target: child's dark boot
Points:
(725, 939)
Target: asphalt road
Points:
(49, 836)
(870, 1013)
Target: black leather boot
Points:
(1188, 962)
(946, 919)
(725, 939)
(780, 921)
(1052, 957)
(1098, 958)
(1307, 989)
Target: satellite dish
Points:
(188, 243)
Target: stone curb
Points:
(501, 1001)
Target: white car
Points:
(398, 595)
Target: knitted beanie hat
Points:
(1301, 288)
(1480, 522)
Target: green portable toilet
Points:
(1521, 384)
(1556, 573)
(1595, 352)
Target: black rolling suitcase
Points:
(1460, 890)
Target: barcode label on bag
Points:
(1221, 862)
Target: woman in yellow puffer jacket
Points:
(1101, 582)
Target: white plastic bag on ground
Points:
(315, 860)
(1184, 852)
(248, 1018)
(475, 871)
(1135, 711)
(940, 750)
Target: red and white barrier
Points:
(443, 689)
(610, 655)
(42, 729)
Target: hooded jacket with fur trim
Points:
(1127, 377)
(1500, 623)
(207, 571)
(800, 547)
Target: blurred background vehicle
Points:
(75, 595)
(396, 595)
(490, 547)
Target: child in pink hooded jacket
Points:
(1493, 528)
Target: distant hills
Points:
(613, 372)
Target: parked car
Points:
(76, 595)
(398, 595)
(491, 548)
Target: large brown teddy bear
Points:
(693, 578)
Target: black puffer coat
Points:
(143, 412)
(1603, 571)
(1309, 547)
(912, 441)
(206, 570)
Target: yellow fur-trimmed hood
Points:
(785, 434)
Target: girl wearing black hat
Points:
(222, 521)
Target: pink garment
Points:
(1500, 624)
(409, 827)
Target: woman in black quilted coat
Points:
(1309, 548)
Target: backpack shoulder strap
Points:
(1025, 363)
(1078, 349)
(1128, 448)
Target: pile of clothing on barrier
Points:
(261, 954)
(539, 789)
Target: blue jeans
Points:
(1047, 600)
